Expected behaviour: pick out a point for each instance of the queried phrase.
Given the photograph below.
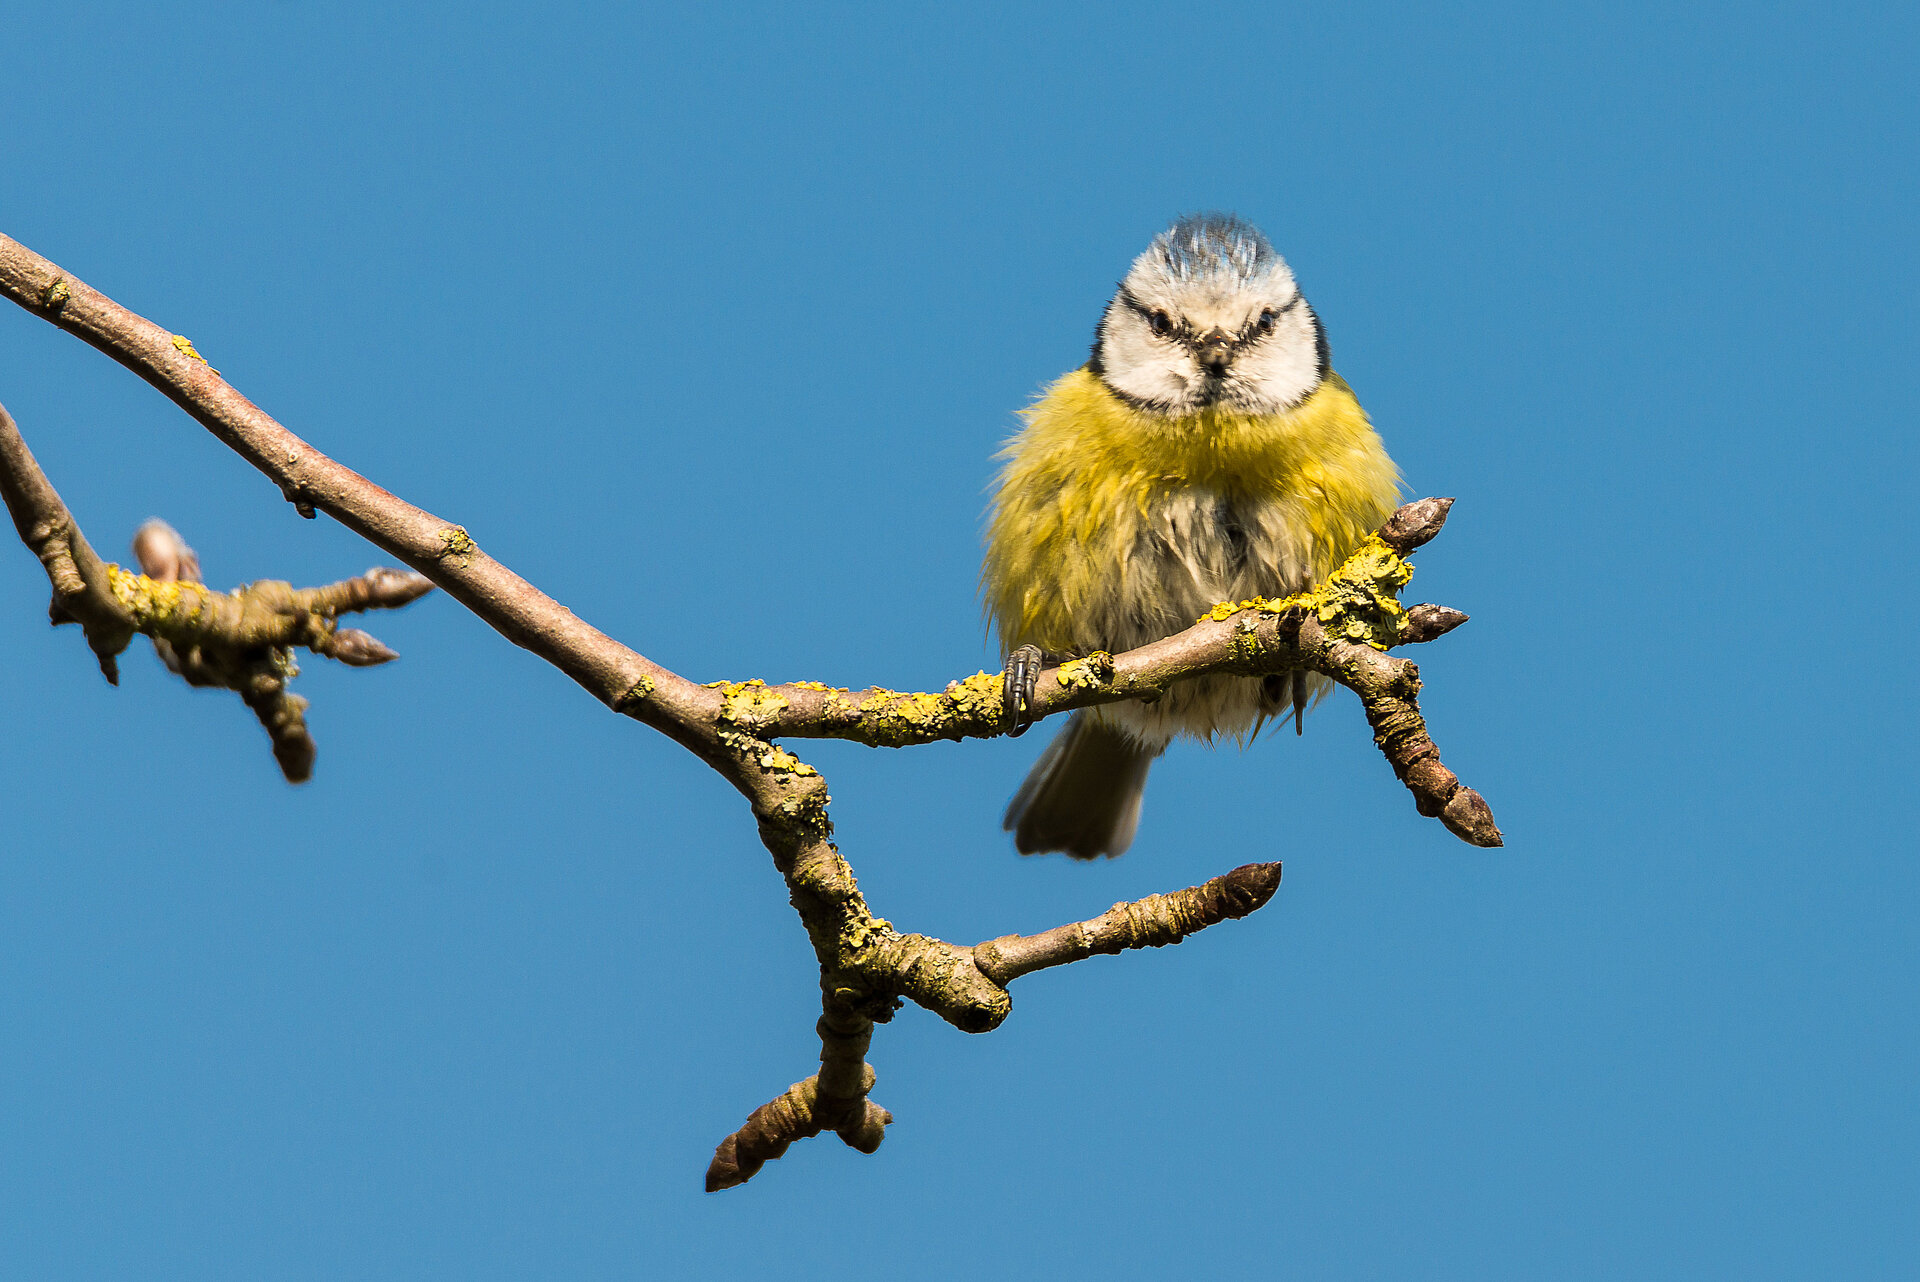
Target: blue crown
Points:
(1201, 245)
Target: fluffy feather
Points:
(1114, 527)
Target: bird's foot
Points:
(1021, 685)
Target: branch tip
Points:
(162, 554)
(1415, 524)
(1249, 887)
(1425, 622)
(358, 649)
(801, 1112)
(1153, 922)
(1469, 817)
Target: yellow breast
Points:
(1112, 527)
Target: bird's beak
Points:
(1214, 351)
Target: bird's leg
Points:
(1021, 685)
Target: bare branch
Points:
(1387, 687)
(438, 548)
(81, 591)
(836, 1100)
(241, 641)
(1153, 922)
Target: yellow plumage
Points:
(1080, 556)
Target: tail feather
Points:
(1083, 795)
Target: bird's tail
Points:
(1083, 795)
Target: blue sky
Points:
(710, 325)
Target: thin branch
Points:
(438, 548)
(835, 1099)
(82, 592)
(1341, 628)
(1153, 922)
(241, 641)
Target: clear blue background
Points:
(710, 324)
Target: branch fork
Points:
(243, 641)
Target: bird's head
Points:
(1210, 315)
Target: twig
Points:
(82, 592)
(241, 640)
(835, 1099)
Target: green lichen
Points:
(639, 692)
(804, 811)
(56, 295)
(1244, 644)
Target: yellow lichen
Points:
(456, 544)
(1090, 673)
(153, 602)
(860, 932)
(185, 345)
(748, 703)
(1358, 602)
(57, 294)
(778, 759)
(980, 695)
(1361, 601)
(895, 717)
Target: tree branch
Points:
(836, 1098)
(1153, 922)
(82, 590)
(866, 966)
(241, 640)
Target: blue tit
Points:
(1207, 452)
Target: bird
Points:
(1206, 452)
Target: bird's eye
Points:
(1160, 322)
(1268, 319)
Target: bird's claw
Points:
(1021, 686)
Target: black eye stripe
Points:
(1179, 329)
(1262, 325)
(1173, 327)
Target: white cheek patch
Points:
(1281, 370)
(1268, 374)
(1143, 366)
